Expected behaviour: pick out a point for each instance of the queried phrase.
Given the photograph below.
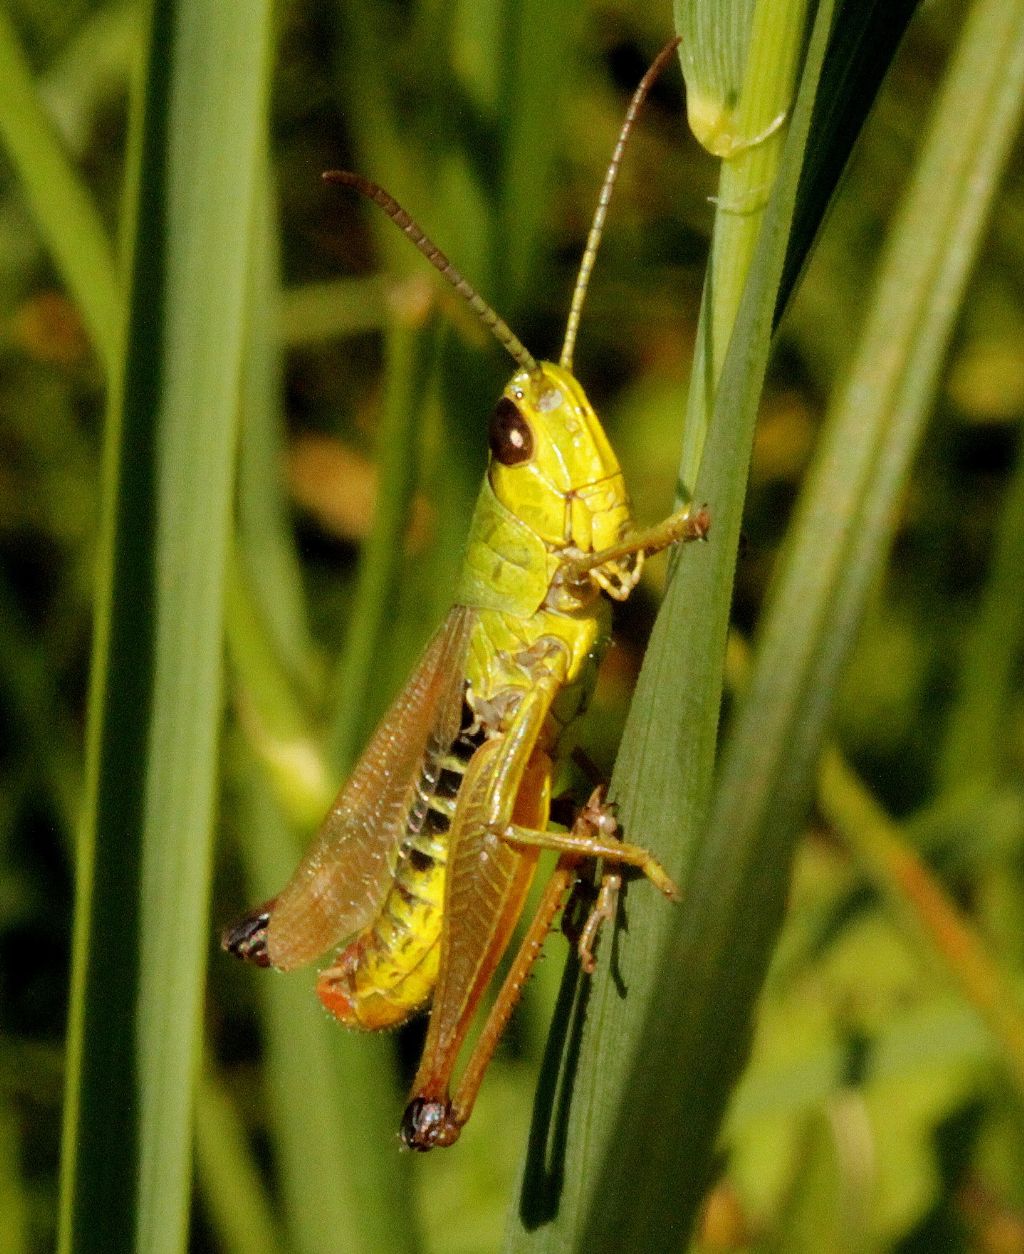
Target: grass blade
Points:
(752, 147)
(739, 883)
(141, 915)
(620, 1121)
(409, 353)
(539, 38)
(60, 203)
(845, 520)
(863, 45)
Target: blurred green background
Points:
(875, 1113)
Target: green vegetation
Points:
(241, 429)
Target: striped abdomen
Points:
(387, 971)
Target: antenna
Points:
(594, 238)
(498, 326)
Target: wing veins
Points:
(340, 883)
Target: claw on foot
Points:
(428, 1123)
(603, 911)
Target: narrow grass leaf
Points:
(278, 726)
(58, 198)
(844, 523)
(358, 694)
(863, 45)
(531, 63)
(335, 309)
(141, 926)
(333, 1095)
(921, 902)
(630, 1065)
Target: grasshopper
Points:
(420, 871)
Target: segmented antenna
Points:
(498, 326)
(572, 325)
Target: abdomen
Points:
(387, 972)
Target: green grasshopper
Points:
(421, 869)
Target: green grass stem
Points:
(750, 139)
(141, 919)
(625, 1099)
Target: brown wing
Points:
(341, 881)
(486, 881)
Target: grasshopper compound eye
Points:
(510, 437)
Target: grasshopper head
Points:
(552, 465)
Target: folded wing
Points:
(340, 883)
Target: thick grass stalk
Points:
(845, 520)
(618, 1103)
(835, 550)
(751, 103)
(141, 927)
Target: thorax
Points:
(510, 655)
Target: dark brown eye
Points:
(510, 436)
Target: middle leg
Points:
(595, 836)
